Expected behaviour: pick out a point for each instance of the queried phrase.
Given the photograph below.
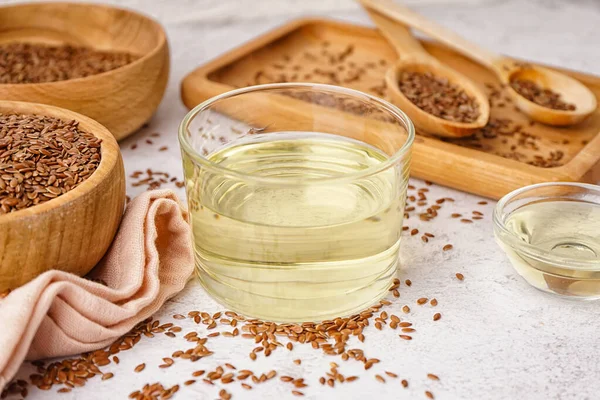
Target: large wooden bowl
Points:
(122, 99)
(73, 231)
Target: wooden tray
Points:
(510, 153)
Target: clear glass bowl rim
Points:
(533, 251)
(385, 105)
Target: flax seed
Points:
(39, 63)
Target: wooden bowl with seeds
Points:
(107, 63)
(62, 191)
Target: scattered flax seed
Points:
(447, 247)
(422, 300)
(404, 383)
(380, 378)
(483, 203)
(455, 215)
(297, 361)
(424, 239)
(107, 376)
(460, 276)
(198, 373)
(405, 337)
(408, 330)
(405, 309)
(163, 148)
(404, 324)
(433, 377)
(437, 316)
(414, 232)
(466, 221)
(116, 359)
(297, 393)
(246, 386)
(429, 394)
(408, 282)
(391, 374)
(189, 382)
(140, 367)
(433, 302)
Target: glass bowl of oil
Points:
(296, 195)
(551, 234)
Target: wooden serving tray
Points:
(510, 153)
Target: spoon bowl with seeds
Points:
(542, 94)
(439, 100)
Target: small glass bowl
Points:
(554, 247)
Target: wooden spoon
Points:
(414, 58)
(507, 70)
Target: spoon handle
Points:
(397, 34)
(442, 34)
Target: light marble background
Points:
(498, 338)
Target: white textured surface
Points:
(498, 338)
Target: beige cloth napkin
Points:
(60, 314)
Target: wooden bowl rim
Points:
(109, 150)
(162, 40)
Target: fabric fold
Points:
(60, 314)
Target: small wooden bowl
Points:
(73, 231)
(122, 99)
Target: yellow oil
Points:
(565, 230)
(296, 248)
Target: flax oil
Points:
(308, 236)
(566, 236)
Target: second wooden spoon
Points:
(414, 58)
